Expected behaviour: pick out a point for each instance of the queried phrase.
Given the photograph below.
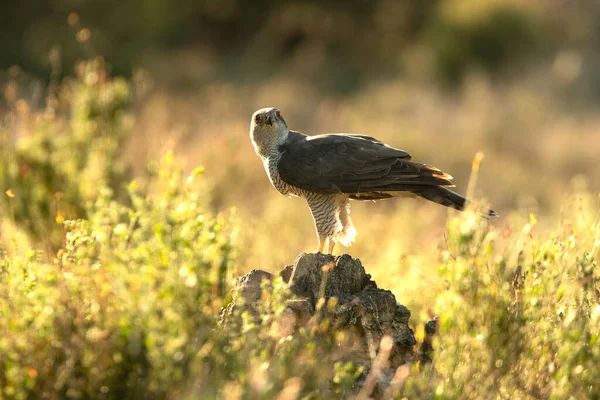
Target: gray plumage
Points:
(328, 170)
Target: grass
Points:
(114, 269)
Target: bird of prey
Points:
(329, 170)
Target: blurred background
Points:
(443, 80)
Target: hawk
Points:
(332, 169)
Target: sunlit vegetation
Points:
(111, 287)
(130, 198)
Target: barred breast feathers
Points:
(270, 163)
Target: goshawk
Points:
(329, 170)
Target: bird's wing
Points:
(340, 163)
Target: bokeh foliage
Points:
(55, 161)
(339, 45)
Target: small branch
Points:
(448, 247)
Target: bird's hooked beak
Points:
(271, 117)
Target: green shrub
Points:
(503, 36)
(54, 161)
(123, 309)
(520, 317)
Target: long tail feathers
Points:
(448, 198)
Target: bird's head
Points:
(268, 130)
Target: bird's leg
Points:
(331, 246)
(324, 211)
(321, 245)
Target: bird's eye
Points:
(278, 114)
(256, 119)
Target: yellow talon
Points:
(331, 246)
(321, 245)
